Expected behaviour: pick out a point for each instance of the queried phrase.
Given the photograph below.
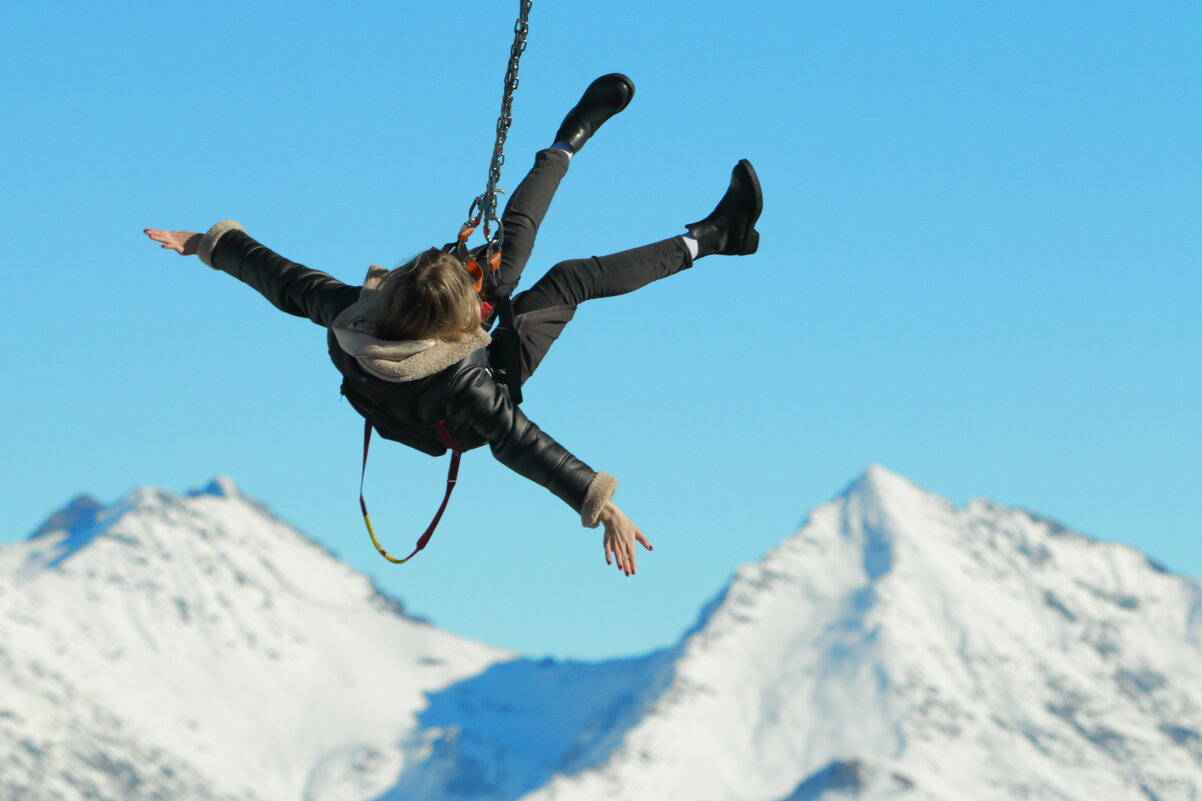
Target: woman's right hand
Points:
(620, 536)
(185, 243)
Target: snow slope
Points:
(900, 647)
(196, 648)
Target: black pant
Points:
(542, 311)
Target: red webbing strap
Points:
(444, 434)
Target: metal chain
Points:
(486, 204)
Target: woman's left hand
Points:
(185, 243)
(620, 537)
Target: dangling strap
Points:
(444, 434)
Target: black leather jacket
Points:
(464, 395)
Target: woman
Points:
(410, 346)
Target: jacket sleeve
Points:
(291, 287)
(478, 402)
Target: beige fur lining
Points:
(441, 355)
(600, 492)
(209, 241)
(354, 329)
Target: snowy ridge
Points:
(895, 647)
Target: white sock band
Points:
(690, 242)
(565, 147)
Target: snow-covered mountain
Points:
(896, 647)
(195, 647)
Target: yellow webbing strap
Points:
(444, 434)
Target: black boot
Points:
(730, 227)
(603, 98)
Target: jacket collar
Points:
(409, 360)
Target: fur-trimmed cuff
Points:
(209, 240)
(600, 490)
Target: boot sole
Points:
(751, 240)
(629, 85)
(620, 78)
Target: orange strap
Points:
(473, 266)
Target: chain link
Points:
(486, 204)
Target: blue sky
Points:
(979, 267)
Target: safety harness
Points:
(495, 302)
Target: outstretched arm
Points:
(477, 401)
(289, 286)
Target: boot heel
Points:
(730, 227)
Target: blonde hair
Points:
(430, 297)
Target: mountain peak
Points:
(220, 486)
(881, 501)
(73, 528)
(881, 483)
(81, 510)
